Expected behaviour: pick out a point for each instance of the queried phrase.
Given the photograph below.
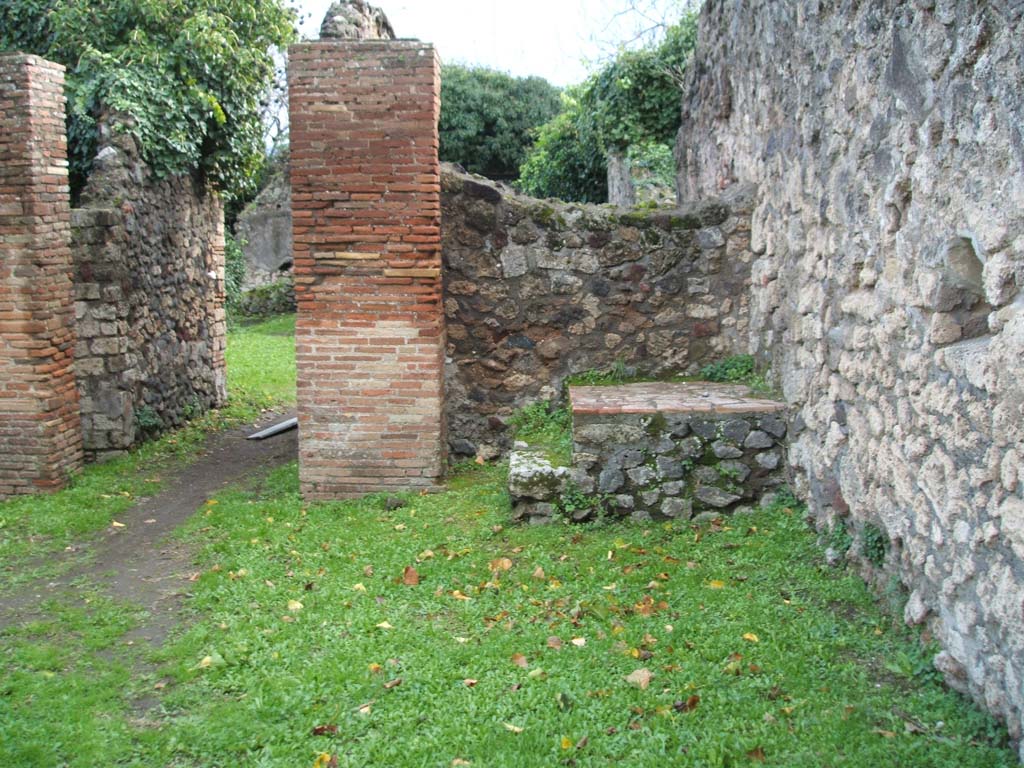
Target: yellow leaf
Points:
(375, 668)
(460, 761)
(457, 594)
(384, 625)
(294, 606)
(359, 588)
(610, 587)
(750, 637)
(400, 527)
(579, 642)
(322, 761)
(538, 574)
(513, 728)
(365, 709)
(426, 554)
(207, 661)
(567, 743)
(116, 524)
(716, 584)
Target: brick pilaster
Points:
(366, 229)
(40, 437)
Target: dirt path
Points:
(140, 563)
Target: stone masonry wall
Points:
(40, 442)
(366, 237)
(887, 140)
(538, 290)
(149, 299)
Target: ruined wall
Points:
(538, 290)
(887, 140)
(40, 443)
(149, 299)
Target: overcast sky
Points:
(552, 38)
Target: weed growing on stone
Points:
(547, 427)
(874, 544)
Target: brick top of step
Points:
(669, 397)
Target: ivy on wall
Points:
(190, 73)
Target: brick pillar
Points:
(367, 255)
(40, 437)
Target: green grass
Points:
(547, 427)
(736, 369)
(753, 647)
(261, 375)
(303, 641)
(261, 361)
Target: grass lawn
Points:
(437, 634)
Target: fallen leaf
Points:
(375, 668)
(501, 564)
(563, 701)
(457, 594)
(115, 524)
(480, 460)
(294, 606)
(365, 709)
(326, 761)
(687, 706)
(555, 642)
(368, 571)
(460, 761)
(520, 661)
(641, 678)
(513, 728)
(757, 755)
(750, 637)
(538, 574)
(392, 683)
(469, 682)
(579, 642)
(325, 730)
(716, 584)
(400, 527)
(288, 619)
(384, 625)
(410, 577)
(885, 734)
(359, 587)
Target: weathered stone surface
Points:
(715, 497)
(264, 231)
(531, 476)
(149, 298)
(627, 446)
(885, 139)
(355, 20)
(539, 290)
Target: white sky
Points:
(551, 38)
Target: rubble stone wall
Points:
(149, 299)
(887, 142)
(538, 290)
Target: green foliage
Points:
(148, 420)
(738, 368)
(874, 544)
(277, 298)
(636, 98)
(617, 374)
(653, 165)
(633, 100)
(577, 506)
(839, 539)
(234, 271)
(546, 426)
(566, 162)
(189, 73)
(488, 118)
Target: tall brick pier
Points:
(367, 254)
(40, 436)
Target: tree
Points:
(566, 162)
(191, 74)
(487, 118)
(633, 101)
